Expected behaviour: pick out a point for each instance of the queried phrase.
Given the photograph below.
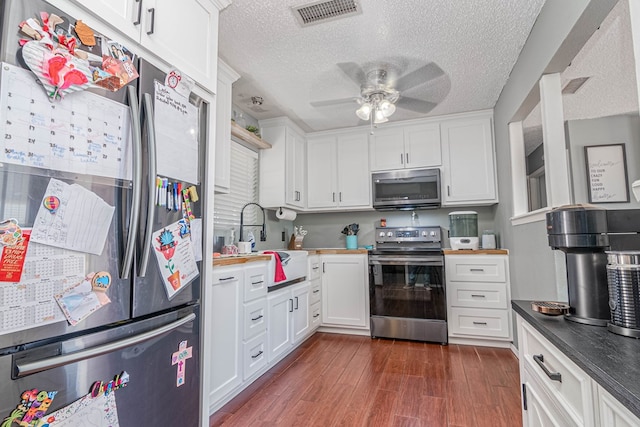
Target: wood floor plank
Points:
(343, 380)
(433, 412)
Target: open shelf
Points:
(248, 137)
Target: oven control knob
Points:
(432, 234)
(382, 234)
(389, 233)
(424, 234)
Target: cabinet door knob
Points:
(296, 303)
(407, 157)
(290, 305)
(401, 159)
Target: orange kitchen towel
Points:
(279, 275)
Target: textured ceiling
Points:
(608, 61)
(475, 43)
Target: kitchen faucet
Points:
(263, 232)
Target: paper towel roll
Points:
(286, 214)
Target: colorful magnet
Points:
(101, 281)
(10, 232)
(185, 229)
(51, 203)
(180, 358)
(32, 407)
(119, 381)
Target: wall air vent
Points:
(322, 11)
(574, 84)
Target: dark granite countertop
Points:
(613, 361)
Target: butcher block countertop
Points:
(239, 259)
(337, 251)
(476, 252)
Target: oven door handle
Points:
(436, 262)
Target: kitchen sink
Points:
(294, 264)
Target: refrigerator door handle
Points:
(136, 150)
(151, 208)
(28, 368)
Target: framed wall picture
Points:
(607, 173)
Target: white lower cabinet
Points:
(345, 296)
(613, 413)
(225, 333)
(478, 297)
(539, 410)
(288, 319)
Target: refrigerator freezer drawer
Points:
(144, 350)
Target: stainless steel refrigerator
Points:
(143, 326)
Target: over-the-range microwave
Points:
(406, 189)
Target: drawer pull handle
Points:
(477, 269)
(223, 279)
(257, 318)
(316, 267)
(480, 323)
(257, 355)
(257, 283)
(553, 376)
(316, 316)
(316, 291)
(478, 296)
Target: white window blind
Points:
(242, 190)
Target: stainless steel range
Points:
(406, 284)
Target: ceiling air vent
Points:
(322, 11)
(574, 84)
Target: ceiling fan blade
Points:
(419, 76)
(333, 102)
(353, 71)
(414, 104)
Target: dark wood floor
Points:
(344, 380)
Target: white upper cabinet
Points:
(468, 162)
(282, 168)
(226, 77)
(338, 171)
(183, 34)
(409, 146)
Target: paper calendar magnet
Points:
(101, 281)
(51, 203)
(10, 232)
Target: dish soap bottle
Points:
(251, 238)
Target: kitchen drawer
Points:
(479, 322)
(477, 295)
(475, 268)
(315, 315)
(226, 274)
(255, 281)
(568, 385)
(254, 355)
(315, 270)
(316, 292)
(541, 410)
(255, 318)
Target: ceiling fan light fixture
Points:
(364, 111)
(379, 117)
(387, 108)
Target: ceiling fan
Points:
(381, 89)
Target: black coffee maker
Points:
(580, 231)
(584, 233)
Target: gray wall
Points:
(602, 131)
(325, 228)
(558, 34)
